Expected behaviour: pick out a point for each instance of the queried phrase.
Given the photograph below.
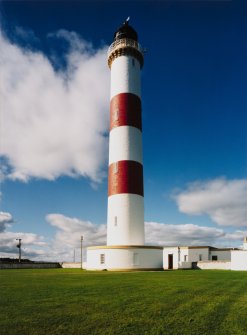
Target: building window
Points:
(185, 258)
(102, 258)
(135, 258)
(115, 167)
(214, 258)
(115, 220)
(200, 257)
(133, 62)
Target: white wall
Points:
(73, 265)
(172, 251)
(125, 143)
(185, 265)
(125, 77)
(194, 254)
(214, 265)
(124, 258)
(129, 212)
(223, 255)
(239, 260)
(183, 256)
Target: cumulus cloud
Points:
(69, 232)
(191, 234)
(5, 220)
(224, 201)
(33, 244)
(183, 234)
(54, 121)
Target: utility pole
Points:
(81, 253)
(19, 247)
(74, 255)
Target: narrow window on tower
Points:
(133, 61)
(115, 220)
(115, 167)
(102, 258)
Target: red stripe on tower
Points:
(125, 110)
(125, 177)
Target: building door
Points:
(170, 261)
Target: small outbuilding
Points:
(187, 257)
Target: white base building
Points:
(122, 258)
(136, 258)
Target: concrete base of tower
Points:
(125, 258)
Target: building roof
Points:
(201, 247)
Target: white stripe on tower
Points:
(125, 223)
(125, 144)
(125, 78)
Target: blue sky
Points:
(55, 93)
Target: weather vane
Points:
(127, 20)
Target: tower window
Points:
(102, 258)
(133, 62)
(115, 220)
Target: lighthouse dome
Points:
(126, 31)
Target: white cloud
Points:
(33, 244)
(5, 217)
(54, 122)
(5, 220)
(183, 234)
(191, 234)
(224, 201)
(69, 232)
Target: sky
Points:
(54, 109)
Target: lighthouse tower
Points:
(125, 224)
(125, 249)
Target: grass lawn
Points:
(71, 301)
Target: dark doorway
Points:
(170, 261)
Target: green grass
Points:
(65, 301)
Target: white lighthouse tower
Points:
(125, 224)
(125, 249)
